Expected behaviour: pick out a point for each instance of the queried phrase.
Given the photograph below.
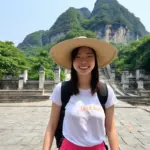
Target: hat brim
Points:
(61, 52)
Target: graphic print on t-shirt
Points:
(85, 107)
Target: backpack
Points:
(66, 93)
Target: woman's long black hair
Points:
(95, 74)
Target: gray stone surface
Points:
(22, 126)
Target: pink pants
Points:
(67, 145)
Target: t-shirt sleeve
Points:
(55, 96)
(111, 100)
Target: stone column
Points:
(139, 73)
(113, 68)
(25, 76)
(125, 79)
(140, 84)
(140, 78)
(67, 75)
(21, 81)
(57, 74)
(109, 71)
(41, 79)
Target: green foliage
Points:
(49, 74)
(119, 61)
(133, 55)
(12, 60)
(33, 39)
(76, 33)
(41, 59)
(143, 52)
(33, 76)
(62, 76)
(84, 12)
(66, 21)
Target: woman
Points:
(85, 123)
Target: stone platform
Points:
(22, 126)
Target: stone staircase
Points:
(23, 95)
(121, 95)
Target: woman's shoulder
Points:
(109, 87)
(58, 85)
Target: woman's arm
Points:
(110, 128)
(51, 128)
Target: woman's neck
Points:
(84, 82)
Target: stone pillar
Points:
(25, 76)
(67, 75)
(140, 84)
(41, 79)
(21, 81)
(139, 73)
(57, 74)
(125, 79)
(109, 71)
(140, 78)
(113, 68)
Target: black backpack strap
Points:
(65, 96)
(66, 92)
(102, 94)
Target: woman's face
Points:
(84, 61)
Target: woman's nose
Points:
(83, 61)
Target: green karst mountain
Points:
(111, 12)
(85, 12)
(108, 20)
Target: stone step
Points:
(24, 98)
(34, 95)
(22, 92)
(135, 100)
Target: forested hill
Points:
(108, 20)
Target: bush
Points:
(62, 76)
(49, 74)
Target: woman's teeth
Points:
(84, 67)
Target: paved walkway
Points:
(22, 126)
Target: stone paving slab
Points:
(22, 126)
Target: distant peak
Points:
(84, 8)
(70, 8)
(85, 12)
(106, 1)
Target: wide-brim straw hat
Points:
(61, 52)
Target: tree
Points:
(12, 60)
(131, 55)
(41, 59)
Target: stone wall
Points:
(31, 84)
(9, 84)
(22, 83)
(136, 82)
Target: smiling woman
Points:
(84, 61)
(79, 123)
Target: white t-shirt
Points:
(84, 116)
